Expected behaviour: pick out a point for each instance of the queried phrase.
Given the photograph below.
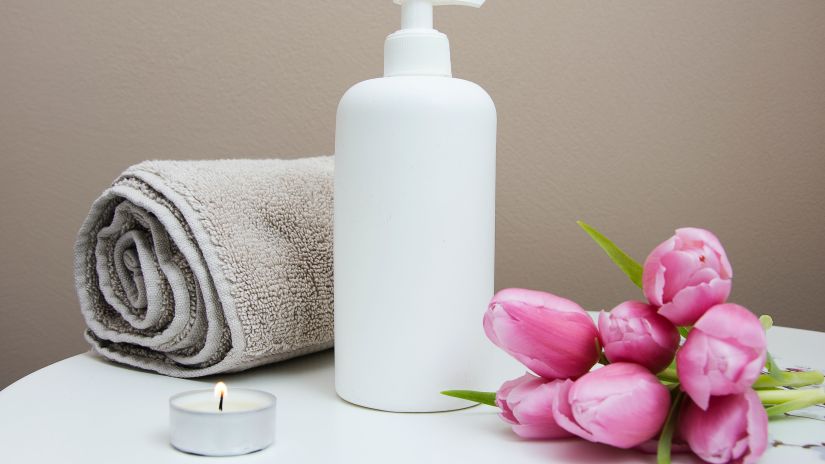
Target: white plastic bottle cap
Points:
(417, 49)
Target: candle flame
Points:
(220, 389)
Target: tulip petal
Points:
(536, 299)
(680, 266)
(547, 349)
(504, 396)
(634, 332)
(535, 414)
(524, 387)
(735, 322)
(692, 302)
(713, 260)
(702, 276)
(563, 413)
(558, 341)
(721, 440)
(687, 274)
(732, 429)
(621, 405)
(757, 419)
(536, 406)
(653, 273)
(527, 404)
(690, 366)
(723, 354)
(705, 237)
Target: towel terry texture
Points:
(191, 268)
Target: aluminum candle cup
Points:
(244, 425)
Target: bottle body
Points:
(414, 240)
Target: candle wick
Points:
(220, 403)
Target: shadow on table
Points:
(309, 365)
(574, 450)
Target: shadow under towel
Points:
(192, 268)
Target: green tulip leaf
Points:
(627, 264)
(488, 398)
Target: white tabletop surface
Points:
(87, 410)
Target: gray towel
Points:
(191, 268)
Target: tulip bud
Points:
(527, 404)
(634, 332)
(552, 336)
(733, 428)
(723, 354)
(686, 275)
(621, 404)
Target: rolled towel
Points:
(191, 268)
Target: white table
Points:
(87, 410)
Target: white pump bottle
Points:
(415, 156)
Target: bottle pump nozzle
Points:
(417, 49)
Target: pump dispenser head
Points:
(417, 49)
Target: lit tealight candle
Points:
(215, 423)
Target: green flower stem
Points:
(779, 396)
(766, 321)
(796, 399)
(668, 375)
(765, 381)
(666, 437)
(789, 379)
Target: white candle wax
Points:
(246, 423)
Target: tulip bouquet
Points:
(683, 370)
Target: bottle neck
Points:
(417, 14)
(417, 52)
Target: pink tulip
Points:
(621, 404)
(723, 354)
(527, 404)
(635, 332)
(686, 275)
(734, 428)
(552, 336)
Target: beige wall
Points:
(637, 116)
